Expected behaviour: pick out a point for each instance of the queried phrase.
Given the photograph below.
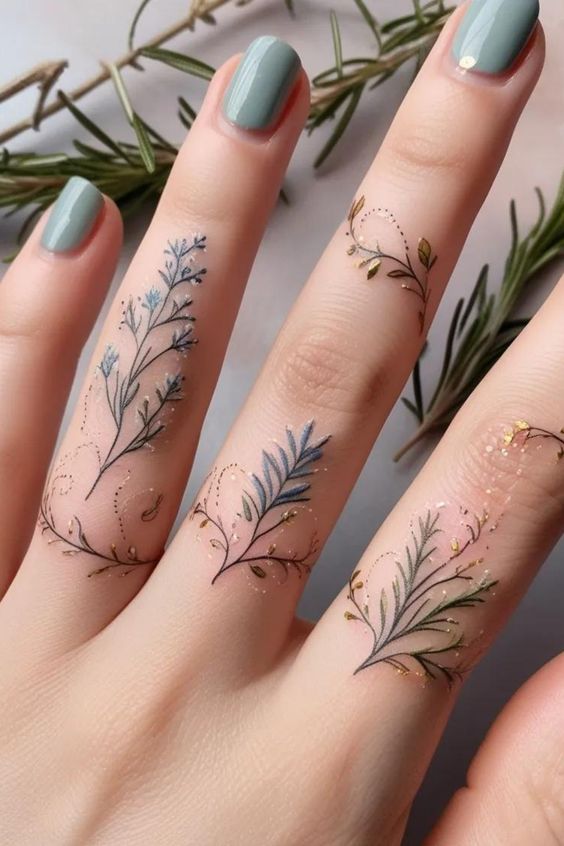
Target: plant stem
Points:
(198, 9)
(485, 324)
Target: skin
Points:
(153, 707)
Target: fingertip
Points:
(255, 101)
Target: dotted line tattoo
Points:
(370, 254)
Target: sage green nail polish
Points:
(73, 216)
(261, 84)
(493, 33)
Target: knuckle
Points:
(24, 323)
(486, 466)
(196, 202)
(422, 153)
(325, 368)
(195, 193)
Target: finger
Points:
(514, 787)
(116, 485)
(49, 299)
(448, 566)
(340, 361)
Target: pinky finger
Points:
(49, 299)
(527, 742)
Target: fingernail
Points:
(261, 84)
(73, 216)
(493, 33)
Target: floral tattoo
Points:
(270, 501)
(164, 306)
(371, 254)
(159, 329)
(415, 617)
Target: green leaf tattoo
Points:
(415, 617)
(422, 598)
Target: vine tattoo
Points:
(159, 326)
(271, 500)
(415, 619)
(75, 542)
(371, 254)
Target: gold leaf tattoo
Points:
(371, 254)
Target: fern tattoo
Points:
(160, 325)
(421, 600)
(161, 308)
(269, 502)
(416, 625)
(371, 255)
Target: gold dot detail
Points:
(467, 62)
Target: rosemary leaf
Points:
(94, 130)
(370, 20)
(337, 44)
(401, 40)
(135, 21)
(180, 62)
(484, 327)
(186, 114)
(343, 122)
(145, 147)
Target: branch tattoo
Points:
(136, 395)
(370, 254)
(269, 502)
(415, 612)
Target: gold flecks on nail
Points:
(467, 62)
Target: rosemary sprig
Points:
(133, 173)
(484, 325)
(337, 91)
(45, 75)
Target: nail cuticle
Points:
(261, 85)
(72, 217)
(492, 35)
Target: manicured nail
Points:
(73, 216)
(261, 84)
(493, 33)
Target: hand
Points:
(172, 697)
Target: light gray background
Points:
(84, 32)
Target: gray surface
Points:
(83, 32)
